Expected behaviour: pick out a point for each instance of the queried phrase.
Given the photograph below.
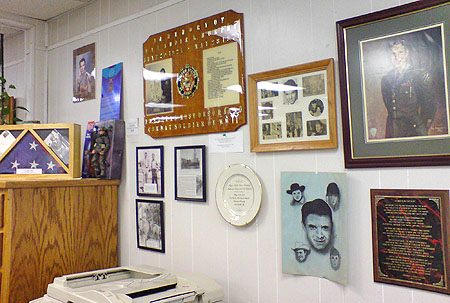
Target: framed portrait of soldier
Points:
(84, 73)
(150, 171)
(394, 86)
(314, 225)
(293, 108)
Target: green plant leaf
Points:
(22, 108)
(11, 86)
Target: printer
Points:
(134, 284)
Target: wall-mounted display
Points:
(293, 108)
(150, 171)
(150, 225)
(410, 238)
(84, 73)
(110, 102)
(194, 78)
(314, 225)
(394, 86)
(190, 173)
(44, 151)
(238, 194)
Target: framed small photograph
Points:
(394, 86)
(410, 238)
(150, 225)
(190, 173)
(293, 108)
(84, 73)
(150, 171)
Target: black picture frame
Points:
(369, 114)
(190, 173)
(150, 225)
(150, 175)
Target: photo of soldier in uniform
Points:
(404, 86)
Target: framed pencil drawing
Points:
(190, 172)
(410, 238)
(293, 108)
(394, 86)
(150, 171)
(150, 225)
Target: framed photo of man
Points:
(150, 171)
(394, 86)
(293, 108)
(84, 73)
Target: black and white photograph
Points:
(271, 130)
(316, 107)
(294, 125)
(190, 173)
(317, 127)
(313, 85)
(266, 110)
(150, 225)
(150, 171)
(59, 145)
(158, 87)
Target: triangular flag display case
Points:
(40, 151)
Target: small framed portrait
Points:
(190, 173)
(394, 86)
(150, 171)
(150, 225)
(84, 73)
(293, 108)
(158, 87)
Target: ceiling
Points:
(37, 9)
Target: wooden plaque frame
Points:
(410, 238)
(194, 78)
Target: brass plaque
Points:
(194, 78)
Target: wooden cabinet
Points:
(53, 228)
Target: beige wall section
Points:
(245, 261)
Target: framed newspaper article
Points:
(190, 172)
(194, 78)
(293, 108)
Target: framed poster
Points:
(394, 86)
(194, 78)
(293, 108)
(150, 225)
(84, 73)
(190, 173)
(314, 225)
(410, 238)
(150, 171)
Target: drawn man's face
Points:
(318, 230)
(291, 96)
(297, 195)
(399, 56)
(333, 200)
(300, 255)
(82, 67)
(335, 261)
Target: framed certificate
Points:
(194, 78)
(238, 194)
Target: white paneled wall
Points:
(246, 261)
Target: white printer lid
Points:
(133, 285)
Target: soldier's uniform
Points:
(101, 148)
(408, 102)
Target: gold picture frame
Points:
(293, 108)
